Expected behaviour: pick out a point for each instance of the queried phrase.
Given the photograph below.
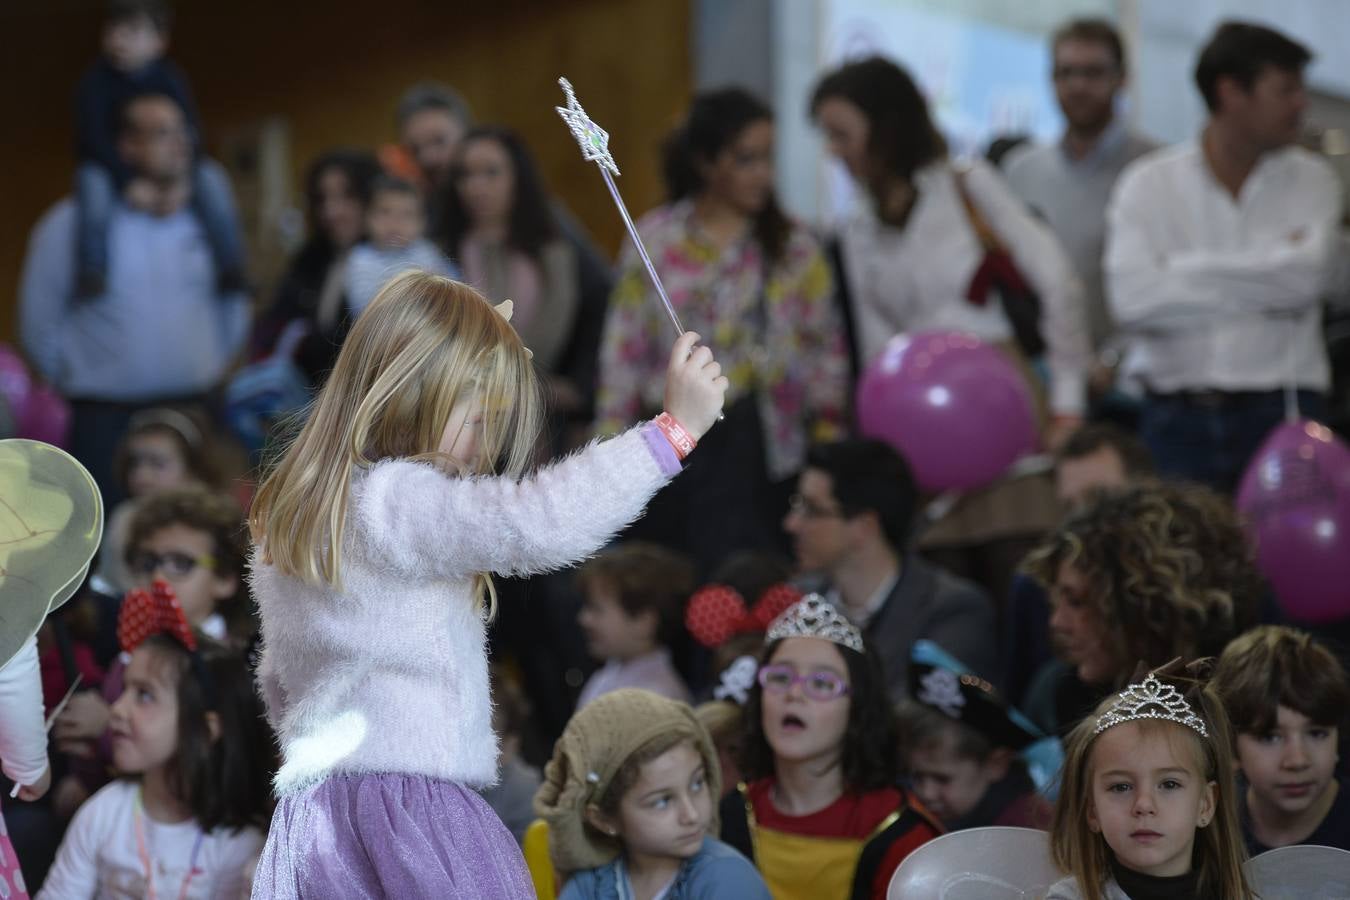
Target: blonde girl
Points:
(1147, 807)
(376, 537)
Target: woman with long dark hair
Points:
(918, 254)
(337, 191)
(756, 287)
(499, 224)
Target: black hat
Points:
(940, 681)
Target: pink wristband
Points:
(681, 440)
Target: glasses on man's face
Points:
(810, 509)
(820, 685)
(172, 564)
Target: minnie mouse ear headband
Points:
(717, 613)
(145, 614)
(940, 681)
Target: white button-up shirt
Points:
(1222, 293)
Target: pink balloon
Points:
(1295, 495)
(46, 417)
(956, 407)
(15, 385)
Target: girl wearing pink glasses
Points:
(821, 812)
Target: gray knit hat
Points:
(597, 742)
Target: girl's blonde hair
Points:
(1219, 850)
(423, 345)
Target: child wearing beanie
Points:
(630, 798)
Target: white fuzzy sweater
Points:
(390, 674)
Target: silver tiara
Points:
(1152, 699)
(814, 616)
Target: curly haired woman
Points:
(1157, 572)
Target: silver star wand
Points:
(594, 143)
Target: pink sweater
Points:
(390, 674)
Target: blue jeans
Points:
(212, 202)
(1210, 436)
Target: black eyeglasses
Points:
(175, 565)
(810, 509)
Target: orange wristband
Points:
(681, 440)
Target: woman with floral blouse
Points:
(756, 286)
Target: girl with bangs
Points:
(1147, 808)
(376, 536)
(821, 812)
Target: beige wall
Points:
(332, 72)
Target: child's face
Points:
(1291, 768)
(611, 633)
(666, 813)
(184, 557)
(132, 43)
(463, 434)
(1147, 797)
(949, 784)
(800, 728)
(155, 463)
(144, 721)
(395, 219)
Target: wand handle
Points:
(641, 249)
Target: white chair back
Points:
(994, 863)
(1301, 872)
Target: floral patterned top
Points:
(780, 341)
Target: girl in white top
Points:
(376, 535)
(187, 736)
(912, 255)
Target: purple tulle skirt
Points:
(402, 836)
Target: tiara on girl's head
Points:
(814, 616)
(1151, 699)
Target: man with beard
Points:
(1068, 183)
(431, 119)
(161, 333)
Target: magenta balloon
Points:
(1295, 495)
(956, 407)
(46, 417)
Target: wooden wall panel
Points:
(334, 71)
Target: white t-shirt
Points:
(99, 858)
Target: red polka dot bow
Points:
(716, 613)
(156, 611)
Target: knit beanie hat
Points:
(594, 747)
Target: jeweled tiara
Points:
(1151, 699)
(814, 616)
